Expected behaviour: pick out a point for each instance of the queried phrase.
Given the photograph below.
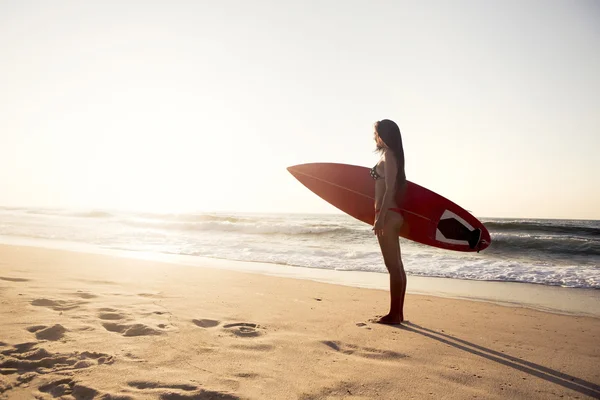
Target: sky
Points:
(181, 106)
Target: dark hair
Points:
(389, 133)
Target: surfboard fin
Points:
(451, 228)
(474, 238)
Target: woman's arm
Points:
(390, 166)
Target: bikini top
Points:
(374, 173)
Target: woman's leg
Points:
(403, 280)
(390, 249)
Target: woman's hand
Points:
(378, 226)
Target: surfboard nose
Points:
(311, 168)
(292, 169)
(297, 167)
(302, 169)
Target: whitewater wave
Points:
(66, 213)
(221, 224)
(192, 218)
(551, 252)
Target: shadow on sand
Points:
(550, 375)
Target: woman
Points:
(390, 181)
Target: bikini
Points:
(376, 176)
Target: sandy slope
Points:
(90, 326)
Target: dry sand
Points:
(83, 326)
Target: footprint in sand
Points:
(57, 305)
(254, 347)
(150, 313)
(366, 352)
(36, 328)
(158, 385)
(157, 295)
(98, 282)
(9, 279)
(180, 391)
(111, 316)
(84, 295)
(202, 394)
(244, 329)
(247, 375)
(42, 332)
(86, 328)
(133, 329)
(240, 329)
(27, 359)
(68, 387)
(206, 323)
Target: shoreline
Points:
(552, 299)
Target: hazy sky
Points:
(201, 105)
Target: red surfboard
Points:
(429, 218)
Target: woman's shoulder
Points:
(388, 154)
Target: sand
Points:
(88, 326)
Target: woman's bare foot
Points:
(390, 319)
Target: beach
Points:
(204, 200)
(77, 325)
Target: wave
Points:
(132, 216)
(574, 228)
(226, 225)
(550, 245)
(191, 218)
(93, 214)
(546, 254)
(533, 239)
(568, 275)
(65, 213)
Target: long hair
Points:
(389, 133)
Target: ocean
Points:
(548, 252)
